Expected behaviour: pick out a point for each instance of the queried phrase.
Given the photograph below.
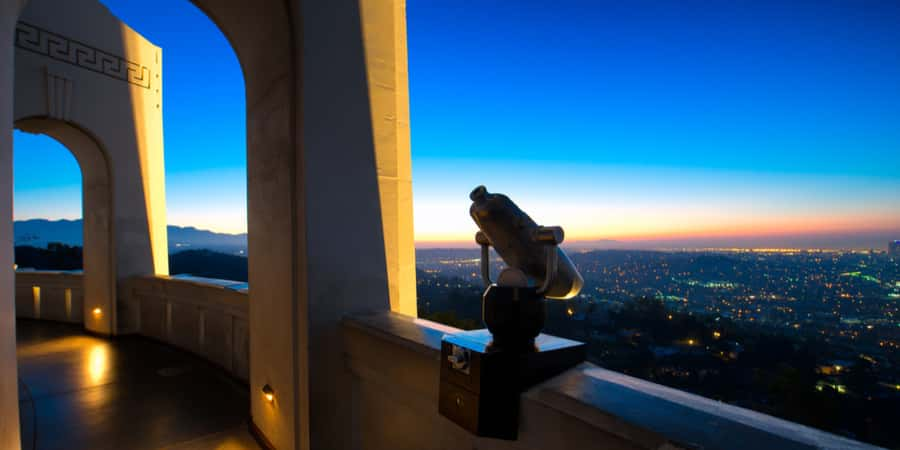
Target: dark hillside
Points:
(210, 264)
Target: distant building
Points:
(894, 248)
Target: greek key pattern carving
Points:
(61, 48)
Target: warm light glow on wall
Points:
(146, 105)
(68, 297)
(36, 295)
(384, 28)
(97, 312)
(268, 393)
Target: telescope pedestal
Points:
(480, 383)
(514, 316)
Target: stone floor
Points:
(78, 391)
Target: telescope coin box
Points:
(480, 386)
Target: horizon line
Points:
(662, 243)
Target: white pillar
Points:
(9, 397)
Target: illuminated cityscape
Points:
(725, 323)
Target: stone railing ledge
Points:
(584, 407)
(200, 281)
(416, 334)
(687, 420)
(27, 271)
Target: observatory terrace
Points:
(322, 351)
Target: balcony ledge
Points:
(585, 407)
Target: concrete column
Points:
(316, 240)
(262, 35)
(9, 398)
(353, 125)
(384, 32)
(328, 190)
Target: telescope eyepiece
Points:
(479, 194)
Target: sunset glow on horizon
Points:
(660, 207)
(661, 227)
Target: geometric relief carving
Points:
(61, 48)
(59, 96)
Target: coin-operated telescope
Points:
(513, 306)
(484, 371)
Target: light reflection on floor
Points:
(84, 392)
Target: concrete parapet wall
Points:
(394, 366)
(209, 321)
(55, 296)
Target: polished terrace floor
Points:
(83, 392)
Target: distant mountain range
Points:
(40, 232)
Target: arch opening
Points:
(48, 204)
(97, 237)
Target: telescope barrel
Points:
(523, 244)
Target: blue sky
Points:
(635, 121)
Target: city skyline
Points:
(747, 124)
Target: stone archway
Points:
(99, 266)
(329, 198)
(263, 37)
